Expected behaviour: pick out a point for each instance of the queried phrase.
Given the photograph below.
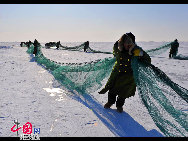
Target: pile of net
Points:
(164, 99)
(180, 57)
(159, 94)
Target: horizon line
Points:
(91, 41)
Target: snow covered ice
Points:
(29, 93)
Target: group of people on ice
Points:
(50, 44)
(121, 83)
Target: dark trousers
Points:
(170, 55)
(112, 99)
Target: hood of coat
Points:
(121, 48)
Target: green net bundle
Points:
(180, 57)
(151, 52)
(83, 77)
(96, 51)
(81, 48)
(23, 45)
(164, 48)
(75, 48)
(159, 50)
(159, 94)
(30, 49)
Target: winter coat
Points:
(86, 46)
(121, 80)
(174, 48)
(36, 45)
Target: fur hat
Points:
(125, 39)
(132, 36)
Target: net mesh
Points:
(81, 48)
(181, 57)
(75, 48)
(159, 50)
(159, 95)
(164, 99)
(82, 77)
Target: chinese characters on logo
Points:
(27, 131)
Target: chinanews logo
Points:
(27, 131)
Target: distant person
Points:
(36, 45)
(22, 43)
(174, 48)
(29, 44)
(121, 83)
(58, 45)
(86, 46)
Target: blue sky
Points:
(93, 22)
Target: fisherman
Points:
(86, 46)
(174, 48)
(121, 82)
(36, 45)
(58, 45)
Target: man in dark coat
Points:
(22, 43)
(29, 44)
(36, 45)
(121, 81)
(174, 48)
(58, 45)
(86, 46)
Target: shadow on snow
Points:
(120, 124)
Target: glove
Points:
(137, 52)
(103, 91)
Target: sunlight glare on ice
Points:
(54, 90)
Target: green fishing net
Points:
(164, 48)
(180, 57)
(159, 50)
(151, 52)
(85, 78)
(75, 48)
(30, 49)
(159, 94)
(81, 48)
(82, 77)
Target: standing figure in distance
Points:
(86, 46)
(58, 45)
(174, 48)
(36, 45)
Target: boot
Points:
(107, 105)
(119, 109)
